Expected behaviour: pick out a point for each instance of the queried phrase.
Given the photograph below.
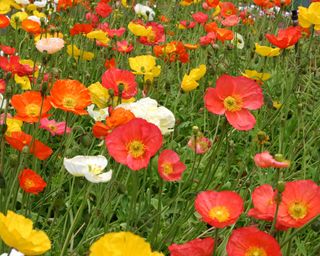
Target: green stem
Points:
(216, 234)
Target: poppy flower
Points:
(113, 78)
(18, 140)
(234, 97)
(227, 9)
(50, 45)
(13, 65)
(30, 106)
(156, 37)
(285, 37)
(17, 232)
(2, 86)
(186, 24)
(309, 16)
(189, 82)
(4, 21)
(7, 49)
(173, 51)
(230, 21)
(71, 96)
(267, 51)
(251, 241)
(124, 46)
(224, 34)
(31, 182)
(300, 203)
(266, 160)
(103, 9)
(170, 168)
(195, 247)
(122, 243)
(80, 29)
(90, 167)
(200, 17)
(200, 144)
(54, 127)
(212, 3)
(263, 198)
(219, 209)
(134, 143)
(31, 26)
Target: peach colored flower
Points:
(50, 45)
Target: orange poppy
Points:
(19, 140)
(29, 105)
(31, 26)
(71, 96)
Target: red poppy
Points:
(224, 34)
(13, 65)
(134, 143)
(110, 63)
(31, 182)
(170, 168)
(187, 24)
(300, 203)
(211, 27)
(285, 37)
(71, 96)
(234, 97)
(7, 49)
(227, 9)
(200, 17)
(103, 9)
(263, 198)
(29, 105)
(266, 4)
(251, 241)
(195, 247)
(111, 32)
(114, 77)
(219, 209)
(2, 86)
(4, 21)
(80, 29)
(19, 140)
(282, 3)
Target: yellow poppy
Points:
(122, 243)
(74, 51)
(145, 65)
(17, 18)
(13, 125)
(189, 82)
(267, 51)
(17, 232)
(310, 16)
(253, 74)
(98, 35)
(140, 30)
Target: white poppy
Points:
(13, 253)
(90, 167)
(50, 45)
(144, 11)
(24, 2)
(3, 102)
(238, 41)
(98, 115)
(41, 3)
(149, 110)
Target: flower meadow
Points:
(152, 128)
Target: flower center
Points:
(232, 103)
(29, 183)
(256, 251)
(220, 213)
(136, 148)
(298, 210)
(69, 102)
(167, 168)
(95, 169)
(32, 110)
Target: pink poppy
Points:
(266, 160)
(123, 46)
(170, 168)
(230, 21)
(55, 128)
(234, 97)
(200, 17)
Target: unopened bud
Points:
(281, 186)
(25, 150)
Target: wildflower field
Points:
(152, 128)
